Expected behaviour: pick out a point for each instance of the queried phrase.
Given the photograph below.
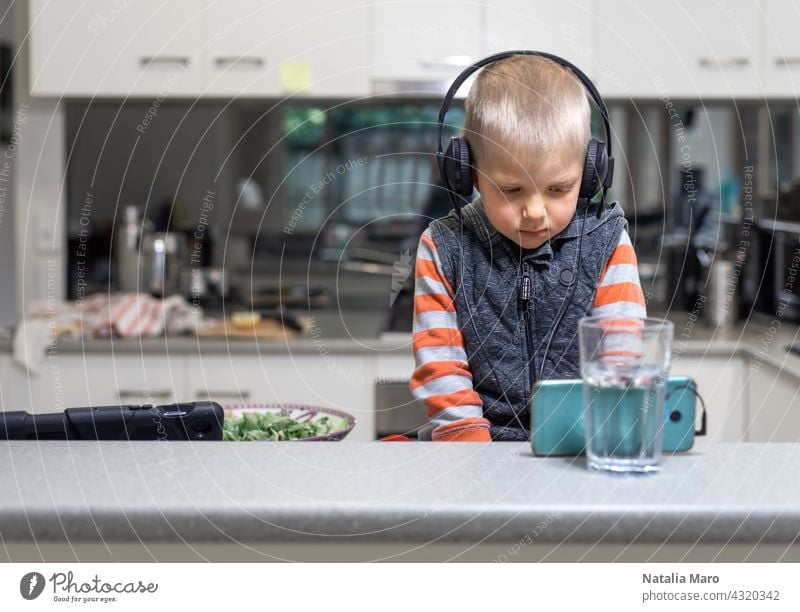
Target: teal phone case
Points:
(557, 416)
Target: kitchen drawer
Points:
(344, 382)
(71, 379)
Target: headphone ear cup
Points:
(458, 167)
(595, 168)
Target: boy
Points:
(495, 308)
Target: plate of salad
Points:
(284, 422)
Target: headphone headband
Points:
(467, 72)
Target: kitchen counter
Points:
(360, 332)
(239, 501)
(352, 333)
(348, 331)
(181, 345)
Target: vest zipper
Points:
(526, 293)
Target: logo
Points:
(31, 585)
(402, 270)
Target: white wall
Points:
(8, 306)
(39, 172)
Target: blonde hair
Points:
(527, 106)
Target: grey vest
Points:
(492, 276)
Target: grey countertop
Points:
(234, 346)
(345, 331)
(389, 492)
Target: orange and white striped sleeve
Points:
(442, 379)
(619, 292)
(619, 298)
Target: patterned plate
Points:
(299, 412)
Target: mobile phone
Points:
(557, 417)
(184, 421)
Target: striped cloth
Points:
(137, 315)
(442, 379)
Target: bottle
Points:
(126, 249)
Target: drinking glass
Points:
(625, 363)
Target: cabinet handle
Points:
(212, 393)
(241, 61)
(445, 63)
(157, 60)
(163, 394)
(723, 62)
(787, 61)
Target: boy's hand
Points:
(473, 429)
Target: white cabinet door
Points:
(18, 389)
(308, 48)
(15, 391)
(423, 40)
(117, 48)
(721, 381)
(343, 382)
(651, 48)
(396, 365)
(67, 380)
(774, 406)
(563, 29)
(781, 64)
(228, 379)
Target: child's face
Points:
(529, 202)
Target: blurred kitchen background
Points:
(278, 157)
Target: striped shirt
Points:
(442, 379)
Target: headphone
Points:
(455, 168)
(455, 164)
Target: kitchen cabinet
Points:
(343, 382)
(423, 42)
(71, 379)
(300, 48)
(781, 61)
(122, 379)
(99, 48)
(395, 365)
(190, 48)
(563, 29)
(721, 380)
(774, 404)
(681, 49)
(746, 402)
